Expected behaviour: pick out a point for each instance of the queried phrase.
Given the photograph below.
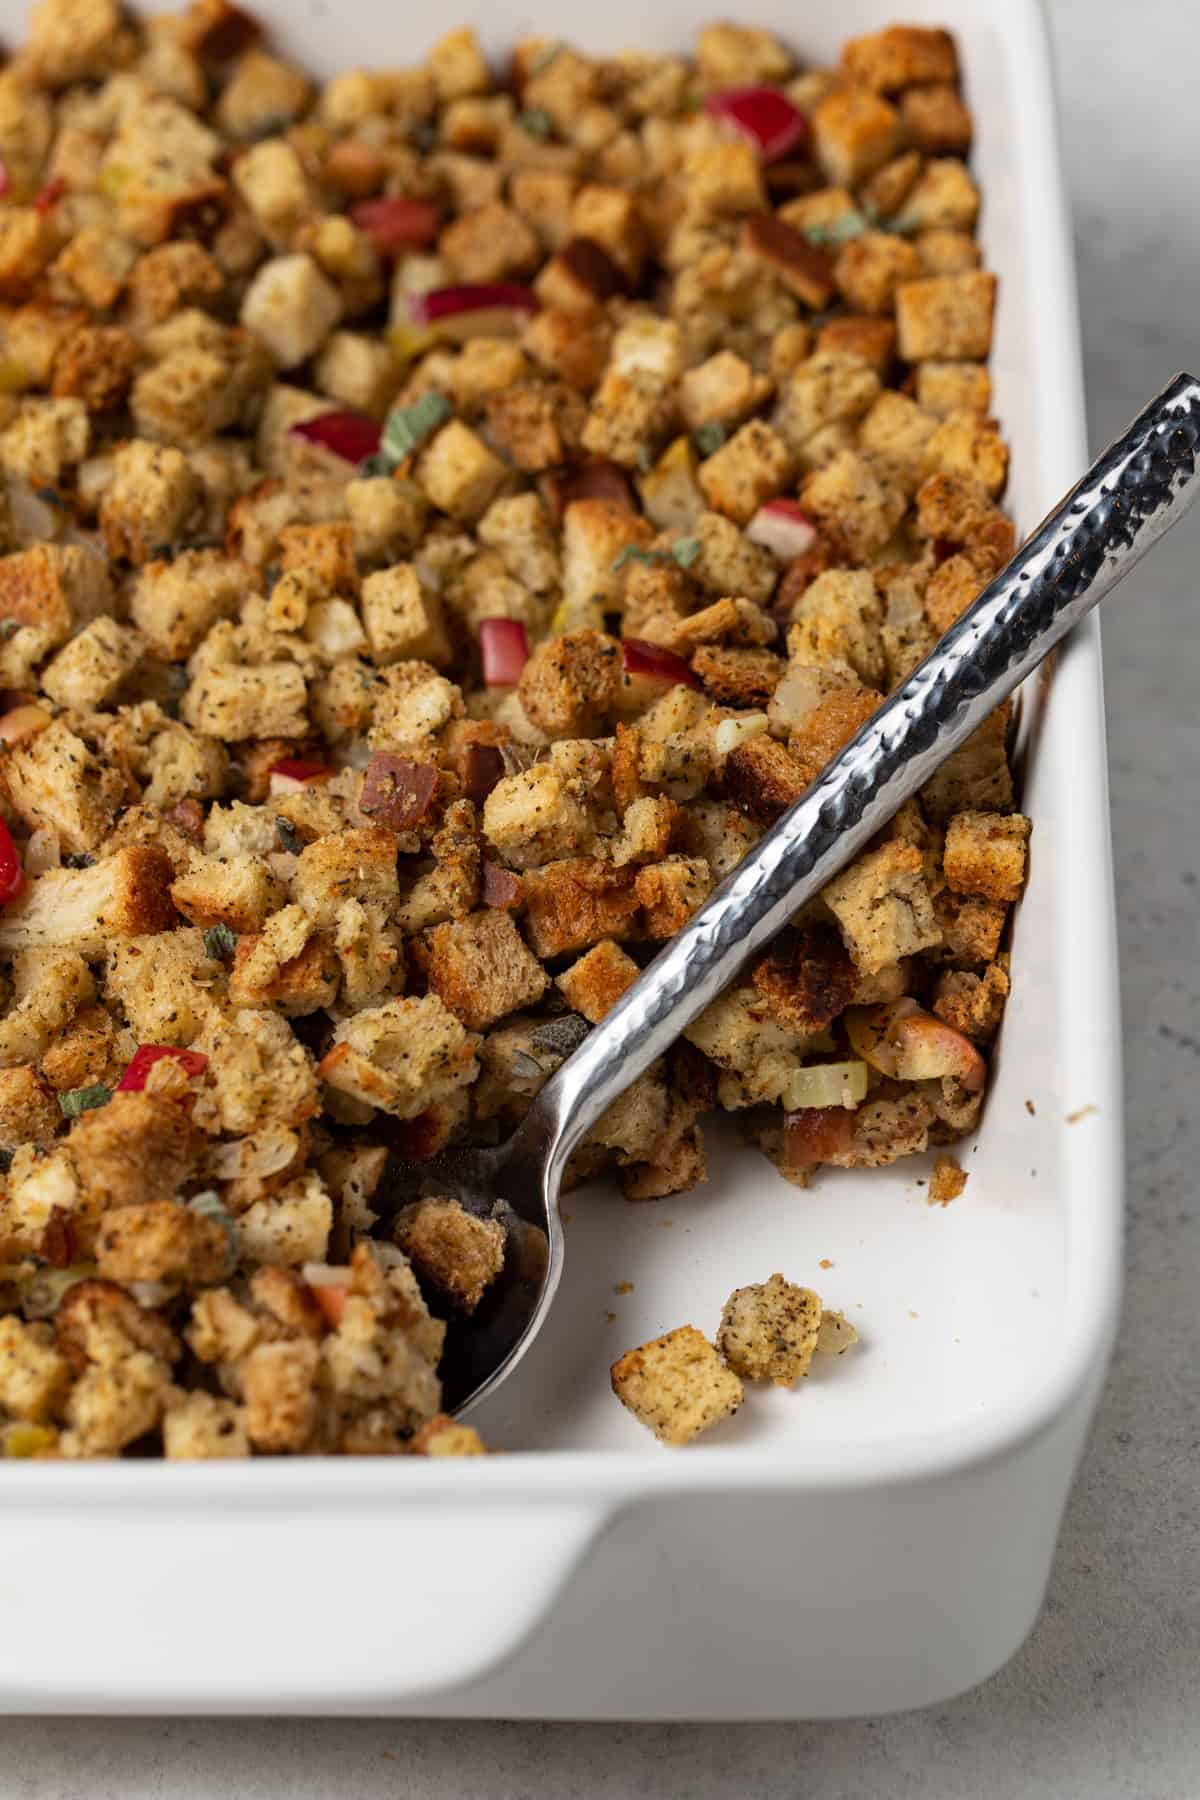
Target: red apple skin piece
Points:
(350, 435)
(638, 657)
(815, 1135)
(504, 649)
(764, 115)
(395, 224)
(783, 528)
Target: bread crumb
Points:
(948, 1181)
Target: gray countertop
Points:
(1101, 1702)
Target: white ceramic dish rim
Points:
(1092, 1161)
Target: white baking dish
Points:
(878, 1540)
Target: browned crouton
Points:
(358, 864)
(871, 268)
(976, 778)
(807, 979)
(403, 1056)
(34, 1377)
(947, 316)
(443, 1436)
(537, 425)
(55, 587)
(669, 893)
(278, 1383)
(481, 969)
(573, 903)
(883, 907)
(677, 1385)
(973, 1004)
(125, 895)
(900, 57)
(98, 1322)
(762, 778)
(153, 493)
(769, 1331)
(451, 1248)
(971, 928)
(831, 723)
(947, 1182)
(160, 1240)
(738, 677)
(985, 854)
(569, 683)
(594, 984)
(303, 984)
(855, 132)
(29, 1109)
(935, 120)
(138, 1148)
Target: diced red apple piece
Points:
(783, 528)
(488, 309)
(294, 774)
(350, 435)
(395, 224)
(766, 116)
(504, 647)
(192, 1062)
(816, 1134)
(906, 1042)
(651, 661)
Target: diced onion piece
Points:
(766, 116)
(638, 657)
(827, 1084)
(783, 528)
(504, 647)
(906, 1042)
(22, 720)
(732, 732)
(193, 1062)
(12, 876)
(350, 435)
(256, 1157)
(330, 1288)
(395, 224)
(815, 1135)
(294, 774)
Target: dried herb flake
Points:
(84, 1099)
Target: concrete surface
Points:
(1102, 1701)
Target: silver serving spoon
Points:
(1131, 495)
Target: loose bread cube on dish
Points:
(676, 1385)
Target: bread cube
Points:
(729, 563)
(944, 198)
(574, 903)
(44, 440)
(900, 57)
(724, 390)
(482, 970)
(27, 244)
(725, 182)
(899, 430)
(457, 65)
(828, 388)
(677, 1385)
(388, 516)
(854, 133)
(239, 891)
(270, 178)
(594, 984)
(29, 1109)
(403, 617)
(985, 854)
(174, 604)
(73, 40)
(976, 778)
(291, 308)
(753, 466)
(945, 252)
(935, 120)
(452, 1248)
(34, 1377)
(402, 1057)
(262, 95)
(89, 671)
(458, 474)
(290, 1228)
(610, 217)
(951, 387)
(149, 501)
(629, 416)
(258, 1073)
(870, 269)
(53, 781)
(536, 816)
(230, 702)
(883, 907)
(492, 243)
(201, 1427)
(569, 684)
(358, 370)
(857, 501)
(279, 1394)
(54, 588)
(769, 1331)
(947, 317)
(82, 909)
(973, 1004)
(965, 444)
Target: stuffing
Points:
(54, 782)
(985, 854)
(291, 1227)
(452, 1249)
(769, 1332)
(236, 891)
(480, 968)
(854, 133)
(677, 1385)
(402, 1056)
(536, 816)
(458, 474)
(124, 895)
(594, 984)
(403, 617)
(257, 1073)
(90, 670)
(199, 1427)
(883, 907)
(137, 1149)
(946, 317)
(160, 1240)
(165, 985)
(55, 588)
(149, 500)
(753, 466)
(29, 1109)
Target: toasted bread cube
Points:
(753, 466)
(935, 120)
(901, 57)
(55, 588)
(669, 892)
(487, 366)
(280, 1394)
(403, 617)
(570, 342)
(201, 1427)
(883, 908)
(901, 431)
(873, 340)
(569, 684)
(854, 132)
(27, 244)
(630, 414)
(29, 1109)
(724, 182)
(762, 778)
(948, 317)
(536, 816)
(677, 1385)
(950, 387)
(769, 1331)
(290, 1228)
(166, 180)
(985, 854)
(388, 516)
(458, 473)
(357, 370)
(944, 198)
(828, 388)
(451, 1248)
(518, 528)
(457, 65)
(971, 929)
(947, 1181)
(481, 969)
(729, 563)
(610, 217)
(46, 438)
(174, 604)
(238, 891)
(870, 269)
(402, 1057)
(357, 864)
(88, 671)
(832, 722)
(441, 1436)
(724, 390)
(945, 252)
(976, 778)
(594, 984)
(73, 40)
(53, 781)
(857, 500)
(575, 902)
(140, 1147)
(492, 243)
(258, 1073)
(270, 178)
(160, 1240)
(964, 444)
(152, 495)
(97, 263)
(291, 308)
(262, 94)
(34, 1377)
(595, 532)
(729, 55)
(165, 983)
(294, 985)
(232, 703)
(973, 1004)
(82, 909)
